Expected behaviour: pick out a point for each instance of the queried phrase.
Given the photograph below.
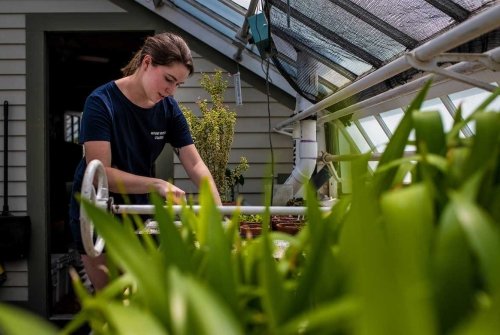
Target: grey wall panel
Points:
(15, 66)
(12, 36)
(16, 279)
(13, 293)
(16, 112)
(13, 97)
(13, 82)
(15, 174)
(12, 51)
(16, 128)
(16, 159)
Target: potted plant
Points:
(213, 134)
(290, 224)
(250, 225)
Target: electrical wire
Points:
(269, 129)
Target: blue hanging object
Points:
(260, 32)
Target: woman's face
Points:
(161, 81)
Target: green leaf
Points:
(328, 318)
(397, 144)
(317, 266)
(208, 314)
(483, 236)
(219, 270)
(124, 247)
(124, 320)
(429, 132)
(16, 321)
(271, 282)
(408, 215)
(486, 142)
(172, 247)
(453, 272)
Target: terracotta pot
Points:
(250, 230)
(291, 228)
(285, 219)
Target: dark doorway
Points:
(78, 62)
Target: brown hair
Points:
(164, 49)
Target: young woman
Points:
(127, 122)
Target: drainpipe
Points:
(307, 157)
(304, 132)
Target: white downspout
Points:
(304, 132)
(307, 157)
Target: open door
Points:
(78, 62)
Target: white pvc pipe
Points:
(308, 153)
(225, 210)
(304, 132)
(412, 86)
(476, 26)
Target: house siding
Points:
(13, 90)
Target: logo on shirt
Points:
(158, 135)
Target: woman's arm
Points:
(197, 169)
(123, 182)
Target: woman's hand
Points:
(171, 193)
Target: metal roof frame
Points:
(472, 28)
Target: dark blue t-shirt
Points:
(137, 135)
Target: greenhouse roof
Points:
(337, 42)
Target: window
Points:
(72, 126)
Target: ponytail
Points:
(133, 64)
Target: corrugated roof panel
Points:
(350, 28)
(416, 18)
(472, 5)
(317, 43)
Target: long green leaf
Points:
(124, 247)
(408, 215)
(317, 254)
(210, 315)
(219, 271)
(397, 144)
(172, 247)
(16, 321)
(124, 320)
(486, 142)
(330, 318)
(453, 272)
(484, 238)
(429, 132)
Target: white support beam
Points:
(409, 88)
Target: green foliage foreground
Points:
(393, 258)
